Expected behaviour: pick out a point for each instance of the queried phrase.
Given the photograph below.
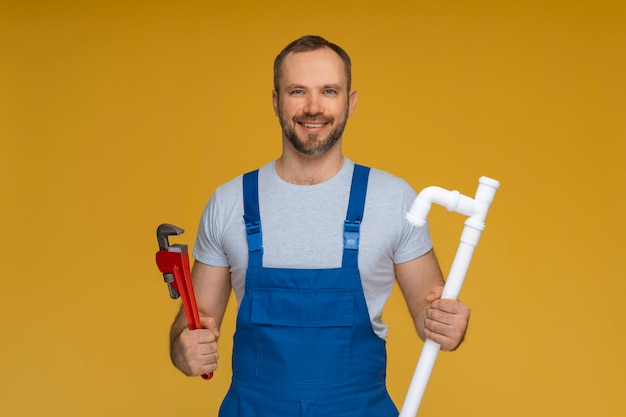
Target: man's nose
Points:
(313, 104)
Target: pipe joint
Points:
(451, 200)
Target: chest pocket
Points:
(303, 336)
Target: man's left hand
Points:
(446, 320)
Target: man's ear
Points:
(352, 99)
(275, 102)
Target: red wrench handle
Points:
(175, 261)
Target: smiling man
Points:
(311, 245)
(320, 109)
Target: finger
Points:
(197, 336)
(448, 336)
(439, 324)
(446, 323)
(204, 336)
(446, 329)
(207, 369)
(450, 306)
(208, 354)
(204, 365)
(438, 316)
(458, 318)
(445, 342)
(202, 358)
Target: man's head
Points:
(311, 43)
(312, 96)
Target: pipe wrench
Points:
(173, 262)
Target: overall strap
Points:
(252, 217)
(352, 224)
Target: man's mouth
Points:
(312, 125)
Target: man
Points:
(311, 244)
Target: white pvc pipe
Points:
(476, 209)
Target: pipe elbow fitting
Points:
(451, 200)
(418, 213)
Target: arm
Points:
(442, 321)
(194, 352)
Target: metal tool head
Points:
(165, 230)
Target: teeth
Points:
(313, 125)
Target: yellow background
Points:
(116, 116)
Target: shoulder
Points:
(229, 188)
(232, 190)
(383, 183)
(386, 177)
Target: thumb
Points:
(434, 294)
(209, 323)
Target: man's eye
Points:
(330, 92)
(297, 92)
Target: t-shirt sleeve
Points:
(415, 241)
(208, 247)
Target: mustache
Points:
(313, 118)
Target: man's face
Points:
(313, 103)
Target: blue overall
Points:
(304, 344)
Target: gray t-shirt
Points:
(302, 227)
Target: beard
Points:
(312, 144)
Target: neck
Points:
(306, 170)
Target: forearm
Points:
(417, 280)
(418, 314)
(178, 326)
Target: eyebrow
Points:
(325, 86)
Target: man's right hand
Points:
(194, 352)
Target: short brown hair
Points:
(311, 43)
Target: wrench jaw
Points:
(163, 232)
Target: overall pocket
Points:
(303, 336)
